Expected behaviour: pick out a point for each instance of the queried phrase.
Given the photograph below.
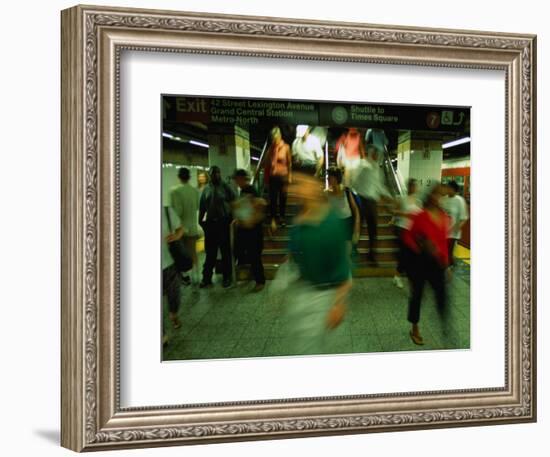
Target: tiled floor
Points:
(219, 323)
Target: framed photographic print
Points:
(371, 165)
(281, 228)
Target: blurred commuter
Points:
(350, 149)
(184, 199)
(341, 199)
(202, 180)
(278, 173)
(366, 180)
(427, 239)
(407, 207)
(307, 152)
(172, 231)
(215, 216)
(249, 238)
(376, 140)
(456, 207)
(318, 241)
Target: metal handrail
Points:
(260, 163)
(401, 183)
(396, 183)
(326, 165)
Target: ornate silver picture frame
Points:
(93, 39)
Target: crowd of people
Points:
(357, 170)
(324, 234)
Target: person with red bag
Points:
(427, 241)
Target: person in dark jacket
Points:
(249, 211)
(215, 216)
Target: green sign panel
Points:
(250, 112)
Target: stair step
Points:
(276, 256)
(383, 241)
(383, 269)
(383, 217)
(383, 229)
(284, 250)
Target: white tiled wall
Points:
(426, 168)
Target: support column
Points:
(419, 158)
(228, 148)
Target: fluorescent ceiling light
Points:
(450, 144)
(198, 143)
(177, 138)
(254, 158)
(172, 137)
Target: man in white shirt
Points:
(307, 152)
(184, 199)
(455, 206)
(366, 181)
(378, 139)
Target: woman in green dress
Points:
(319, 250)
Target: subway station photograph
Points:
(313, 228)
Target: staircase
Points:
(276, 244)
(275, 247)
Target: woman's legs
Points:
(171, 281)
(400, 269)
(451, 247)
(417, 279)
(282, 199)
(439, 285)
(426, 269)
(273, 196)
(190, 243)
